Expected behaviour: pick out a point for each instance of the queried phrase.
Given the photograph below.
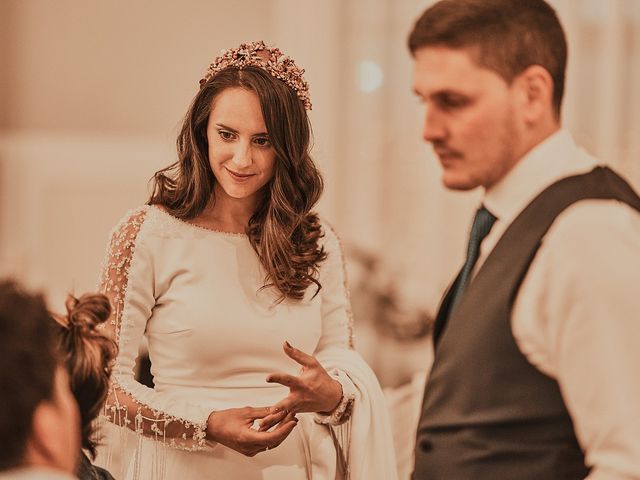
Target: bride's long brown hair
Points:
(283, 231)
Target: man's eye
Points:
(454, 102)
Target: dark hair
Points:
(27, 367)
(505, 36)
(88, 356)
(283, 231)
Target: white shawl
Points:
(365, 440)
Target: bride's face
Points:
(240, 152)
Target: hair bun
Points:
(88, 311)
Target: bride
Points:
(239, 288)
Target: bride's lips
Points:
(239, 177)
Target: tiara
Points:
(257, 54)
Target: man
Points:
(536, 371)
(39, 420)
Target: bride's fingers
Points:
(283, 379)
(272, 419)
(299, 356)
(253, 413)
(276, 437)
(290, 416)
(265, 427)
(289, 403)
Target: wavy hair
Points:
(283, 230)
(88, 355)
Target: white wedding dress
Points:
(213, 336)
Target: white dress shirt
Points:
(577, 315)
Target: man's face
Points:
(472, 117)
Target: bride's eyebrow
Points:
(226, 127)
(233, 130)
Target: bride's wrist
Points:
(341, 412)
(335, 397)
(211, 430)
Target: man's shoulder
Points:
(594, 228)
(597, 215)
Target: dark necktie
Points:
(482, 223)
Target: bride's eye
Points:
(225, 135)
(262, 141)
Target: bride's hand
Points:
(234, 428)
(312, 391)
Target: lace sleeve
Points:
(337, 323)
(337, 319)
(127, 279)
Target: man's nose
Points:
(434, 126)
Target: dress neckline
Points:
(198, 227)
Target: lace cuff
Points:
(343, 411)
(124, 410)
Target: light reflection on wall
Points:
(370, 76)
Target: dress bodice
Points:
(213, 326)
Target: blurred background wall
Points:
(92, 93)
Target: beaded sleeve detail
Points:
(114, 277)
(345, 286)
(129, 403)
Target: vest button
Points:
(426, 445)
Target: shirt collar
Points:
(554, 158)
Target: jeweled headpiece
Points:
(270, 59)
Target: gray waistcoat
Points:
(488, 414)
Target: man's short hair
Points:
(27, 367)
(506, 36)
